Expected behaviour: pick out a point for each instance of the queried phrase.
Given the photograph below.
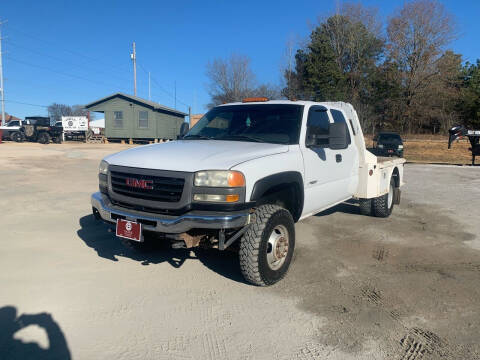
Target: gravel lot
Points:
(406, 287)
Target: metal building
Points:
(131, 117)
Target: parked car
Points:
(11, 130)
(388, 144)
(245, 174)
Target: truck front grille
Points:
(160, 188)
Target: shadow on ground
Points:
(11, 348)
(347, 207)
(96, 236)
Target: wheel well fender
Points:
(288, 186)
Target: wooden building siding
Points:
(161, 124)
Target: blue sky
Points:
(74, 52)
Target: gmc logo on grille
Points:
(139, 184)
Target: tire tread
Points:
(251, 242)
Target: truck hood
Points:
(194, 155)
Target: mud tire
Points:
(253, 245)
(380, 204)
(44, 138)
(365, 206)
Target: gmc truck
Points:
(243, 176)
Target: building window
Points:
(143, 119)
(118, 119)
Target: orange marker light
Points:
(236, 179)
(232, 198)
(255, 99)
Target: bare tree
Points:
(287, 70)
(418, 34)
(230, 79)
(368, 16)
(56, 111)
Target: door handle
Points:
(338, 157)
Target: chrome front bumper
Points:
(169, 224)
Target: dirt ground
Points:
(434, 149)
(406, 287)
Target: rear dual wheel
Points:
(381, 206)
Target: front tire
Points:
(266, 248)
(383, 205)
(17, 137)
(44, 138)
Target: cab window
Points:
(318, 118)
(339, 118)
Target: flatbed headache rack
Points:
(458, 132)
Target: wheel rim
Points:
(390, 196)
(277, 247)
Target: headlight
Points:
(219, 178)
(380, 146)
(103, 167)
(400, 147)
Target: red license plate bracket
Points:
(130, 230)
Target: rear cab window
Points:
(318, 117)
(339, 118)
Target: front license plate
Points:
(129, 230)
(390, 151)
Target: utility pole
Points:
(133, 56)
(1, 77)
(149, 94)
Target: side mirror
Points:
(337, 136)
(183, 129)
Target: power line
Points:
(64, 61)
(24, 103)
(63, 48)
(62, 73)
(161, 87)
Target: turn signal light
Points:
(255, 99)
(217, 197)
(232, 198)
(236, 179)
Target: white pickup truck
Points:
(243, 175)
(11, 130)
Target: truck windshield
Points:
(390, 137)
(268, 123)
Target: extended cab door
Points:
(349, 156)
(328, 173)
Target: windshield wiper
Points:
(238, 137)
(196, 136)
